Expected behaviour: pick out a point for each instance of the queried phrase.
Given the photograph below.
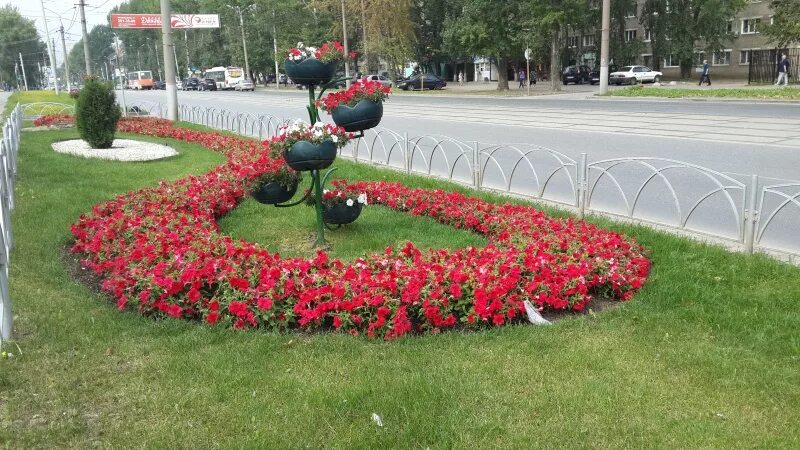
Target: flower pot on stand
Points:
(341, 214)
(273, 193)
(310, 71)
(364, 115)
(304, 155)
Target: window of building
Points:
(671, 61)
(588, 40)
(572, 41)
(729, 27)
(648, 35)
(750, 26)
(647, 60)
(630, 35)
(632, 10)
(722, 58)
(744, 57)
(699, 57)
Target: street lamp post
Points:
(346, 50)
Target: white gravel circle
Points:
(121, 150)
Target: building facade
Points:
(732, 62)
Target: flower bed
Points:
(160, 252)
(54, 120)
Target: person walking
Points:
(783, 72)
(704, 75)
(521, 78)
(460, 78)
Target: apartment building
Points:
(732, 62)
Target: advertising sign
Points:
(178, 21)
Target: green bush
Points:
(97, 113)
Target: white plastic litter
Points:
(533, 315)
(377, 419)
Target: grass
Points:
(754, 93)
(36, 97)
(706, 355)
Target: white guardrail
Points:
(9, 148)
(740, 211)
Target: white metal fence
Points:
(9, 147)
(742, 212)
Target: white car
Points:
(244, 85)
(379, 78)
(634, 75)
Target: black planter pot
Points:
(310, 71)
(307, 156)
(273, 193)
(364, 115)
(341, 214)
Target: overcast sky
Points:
(64, 11)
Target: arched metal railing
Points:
(32, 111)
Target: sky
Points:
(64, 11)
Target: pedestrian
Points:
(704, 75)
(521, 78)
(783, 71)
(532, 76)
(460, 78)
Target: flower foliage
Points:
(368, 90)
(327, 52)
(300, 130)
(337, 196)
(160, 252)
(54, 120)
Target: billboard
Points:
(178, 21)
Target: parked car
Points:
(426, 81)
(634, 74)
(244, 85)
(576, 74)
(207, 85)
(191, 84)
(283, 79)
(594, 76)
(160, 84)
(379, 78)
(178, 84)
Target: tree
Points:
(488, 28)
(19, 35)
(655, 21)
(100, 40)
(785, 28)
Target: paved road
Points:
(743, 138)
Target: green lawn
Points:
(753, 93)
(706, 355)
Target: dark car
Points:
(207, 85)
(576, 74)
(426, 81)
(160, 84)
(191, 84)
(594, 75)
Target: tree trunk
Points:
(555, 61)
(502, 76)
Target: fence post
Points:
(583, 185)
(407, 157)
(751, 214)
(476, 166)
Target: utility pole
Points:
(24, 77)
(275, 50)
(81, 4)
(66, 58)
(238, 10)
(606, 26)
(158, 61)
(186, 40)
(51, 53)
(346, 51)
(169, 69)
(364, 40)
(119, 69)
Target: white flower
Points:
(335, 138)
(362, 198)
(349, 202)
(325, 191)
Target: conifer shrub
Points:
(97, 113)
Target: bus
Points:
(225, 77)
(142, 79)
